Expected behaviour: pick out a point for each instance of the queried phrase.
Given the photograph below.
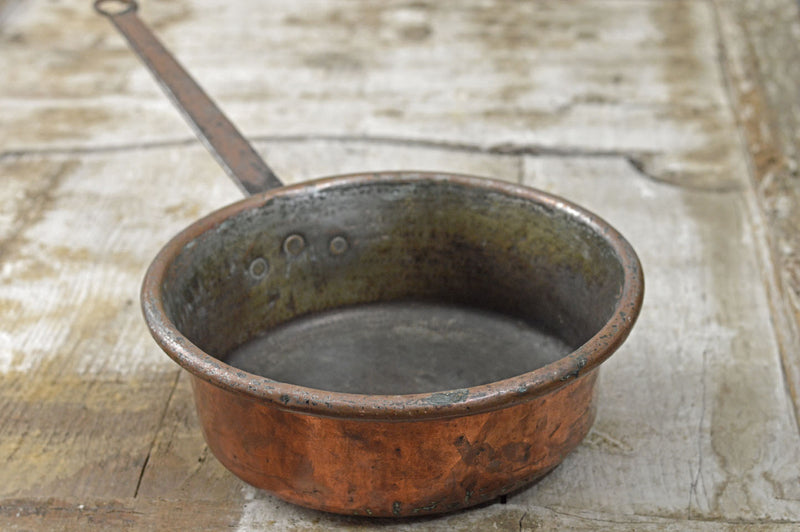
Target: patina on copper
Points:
(490, 254)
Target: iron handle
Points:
(232, 151)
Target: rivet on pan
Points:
(258, 268)
(294, 244)
(338, 245)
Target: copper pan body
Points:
(464, 241)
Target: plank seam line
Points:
(506, 148)
(635, 158)
(156, 432)
(662, 520)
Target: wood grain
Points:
(762, 68)
(676, 121)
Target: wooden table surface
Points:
(677, 121)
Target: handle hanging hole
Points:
(112, 8)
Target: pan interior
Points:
(391, 348)
(393, 286)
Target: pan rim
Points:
(431, 405)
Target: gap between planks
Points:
(633, 158)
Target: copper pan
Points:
(385, 344)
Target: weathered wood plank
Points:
(535, 76)
(82, 387)
(617, 104)
(693, 406)
(762, 56)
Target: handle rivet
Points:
(113, 8)
(338, 245)
(294, 245)
(258, 268)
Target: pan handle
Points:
(220, 136)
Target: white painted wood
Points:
(619, 105)
(628, 75)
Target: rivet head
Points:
(338, 245)
(258, 268)
(294, 245)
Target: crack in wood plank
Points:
(156, 431)
(697, 478)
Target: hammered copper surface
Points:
(388, 468)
